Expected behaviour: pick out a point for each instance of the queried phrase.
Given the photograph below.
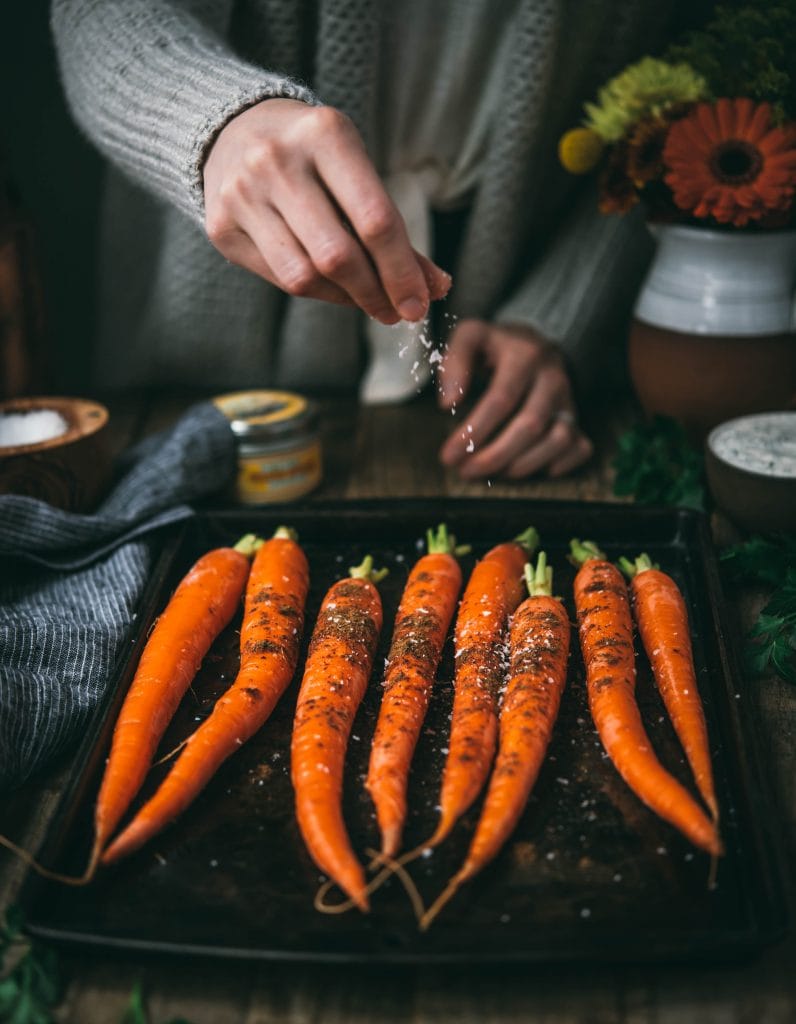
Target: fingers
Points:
(438, 280)
(525, 421)
(290, 269)
(458, 363)
(514, 363)
(332, 254)
(350, 178)
(297, 182)
(561, 449)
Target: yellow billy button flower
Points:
(579, 150)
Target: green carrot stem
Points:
(641, 564)
(365, 571)
(248, 544)
(529, 539)
(286, 533)
(539, 580)
(582, 551)
(443, 543)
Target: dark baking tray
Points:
(589, 873)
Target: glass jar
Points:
(278, 445)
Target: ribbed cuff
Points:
(152, 87)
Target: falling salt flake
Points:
(585, 912)
(562, 782)
(213, 863)
(688, 857)
(617, 877)
(400, 558)
(353, 737)
(160, 859)
(551, 855)
(505, 918)
(435, 357)
(428, 852)
(470, 446)
(661, 850)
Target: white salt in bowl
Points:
(52, 448)
(751, 469)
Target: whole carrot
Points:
(202, 605)
(421, 625)
(606, 639)
(270, 635)
(662, 619)
(538, 652)
(336, 674)
(494, 590)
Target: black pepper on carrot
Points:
(270, 634)
(424, 615)
(494, 590)
(538, 654)
(606, 636)
(336, 674)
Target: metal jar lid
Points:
(268, 415)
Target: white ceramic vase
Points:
(714, 329)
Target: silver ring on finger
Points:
(565, 416)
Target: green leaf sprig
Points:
(30, 983)
(746, 50)
(770, 562)
(30, 980)
(658, 465)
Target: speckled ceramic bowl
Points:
(751, 470)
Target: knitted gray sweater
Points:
(152, 82)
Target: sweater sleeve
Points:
(580, 290)
(152, 82)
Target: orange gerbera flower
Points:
(724, 160)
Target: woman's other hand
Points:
(525, 420)
(291, 195)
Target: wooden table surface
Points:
(387, 452)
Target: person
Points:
(279, 173)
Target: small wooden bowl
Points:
(757, 493)
(68, 471)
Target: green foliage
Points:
(30, 984)
(771, 562)
(763, 560)
(658, 465)
(747, 50)
(30, 980)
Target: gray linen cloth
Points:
(70, 585)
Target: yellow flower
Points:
(579, 150)
(647, 88)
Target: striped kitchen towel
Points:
(70, 585)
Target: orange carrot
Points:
(494, 590)
(201, 606)
(336, 674)
(606, 638)
(539, 648)
(421, 625)
(662, 620)
(270, 635)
